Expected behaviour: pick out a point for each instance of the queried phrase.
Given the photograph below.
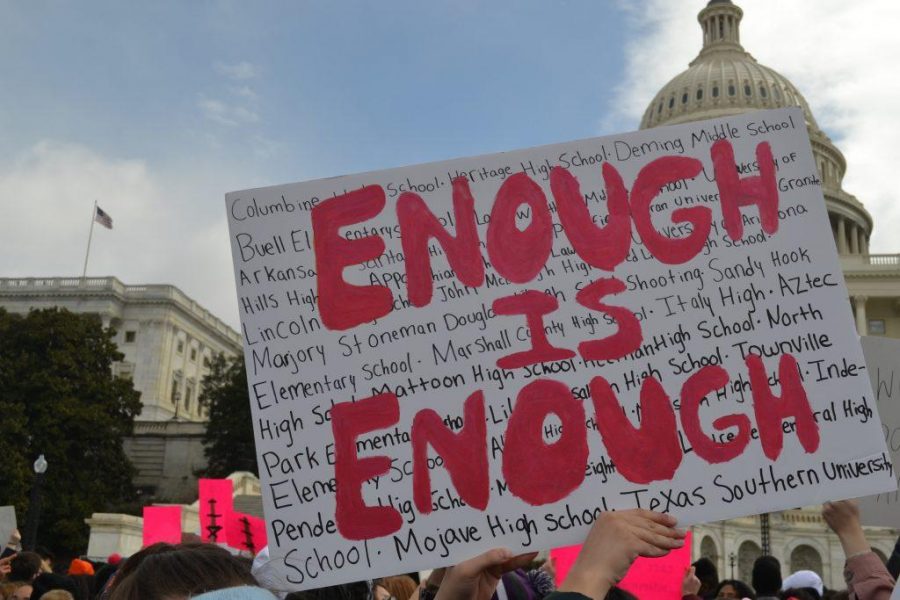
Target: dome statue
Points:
(724, 79)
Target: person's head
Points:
(80, 567)
(797, 594)
(400, 587)
(380, 592)
(346, 591)
(766, 578)
(57, 595)
(46, 582)
(21, 592)
(708, 575)
(47, 559)
(805, 579)
(733, 588)
(180, 571)
(24, 567)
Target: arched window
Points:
(748, 552)
(715, 91)
(699, 93)
(806, 558)
(708, 550)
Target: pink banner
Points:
(162, 524)
(245, 532)
(216, 502)
(658, 578)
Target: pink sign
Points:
(245, 532)
(216, 502)
(162, 524)
(658, 578)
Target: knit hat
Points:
(80, 567)
(114, 559)
(803, 579)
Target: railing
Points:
(880, 262)
(130, 292)
(883, 259)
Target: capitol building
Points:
(724, 79)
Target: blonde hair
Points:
(57, 595)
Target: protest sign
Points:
(216, 499)
(657, 578)
(491, 351)
(883, 365)
(7, 522)
(245, 532)
(162, 524)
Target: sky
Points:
(155, 110)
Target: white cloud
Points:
(225, 113)
(168, 227)
(238, 71)
(841, 55)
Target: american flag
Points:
(102, 218)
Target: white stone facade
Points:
(724, 79)
(167, 338)
(799, 539)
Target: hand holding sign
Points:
(614, 542)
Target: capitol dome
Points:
(724, 79)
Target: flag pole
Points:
(90, 234)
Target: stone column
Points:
(861, 243)
(842, 236)
(859, 304)
(854, 239)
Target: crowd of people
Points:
(204, 571)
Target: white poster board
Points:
(883, 364)
(334, 344)
(7, 523)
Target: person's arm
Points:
(866, 576)
(477, 578)
(690, 584)
(614, 542)
(14, 544)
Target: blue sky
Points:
(157, 109)
(309, 89)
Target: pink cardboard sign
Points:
(216, 502)
(658, 578)
(162, 524)
(245, 532)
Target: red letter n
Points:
(641, 454)
(771, 410)
(538, 472)
(534, 305)
(343, 305)
(353, 517)
(464, 454)
(602, 247)
(418, 224)
(734, 192)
